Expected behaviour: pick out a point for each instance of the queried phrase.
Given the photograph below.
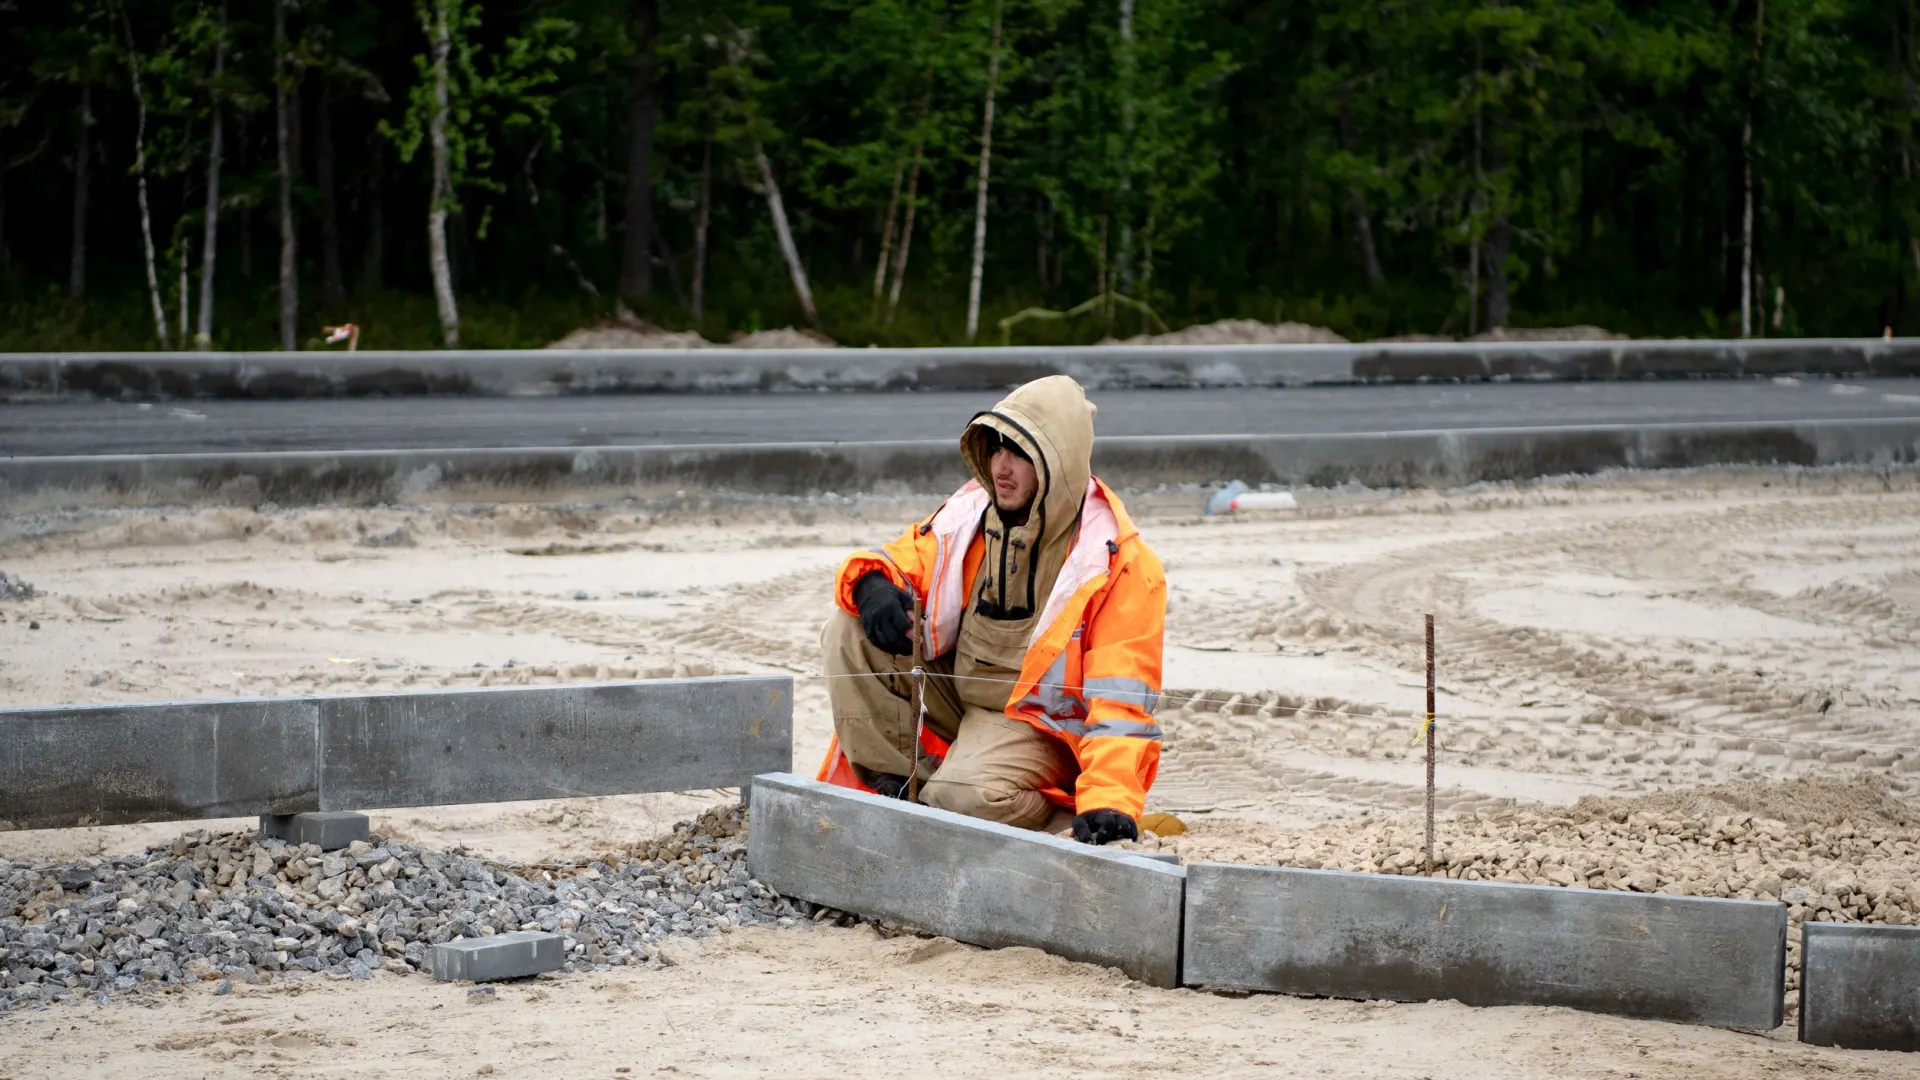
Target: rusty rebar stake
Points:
(919, 700)
(1430, 687)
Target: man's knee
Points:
(989, 800)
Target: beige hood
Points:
(1052, 420)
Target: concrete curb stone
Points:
(514, 955)
(1860, 986)
(328, 830)
(1338, 934)
(971, 880)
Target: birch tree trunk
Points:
(1499, 243)
(6, 253)
(243, 214)
(1904, 43)
(373, 261)
(671, 265)
(980, 199)
(1473, 288)
(554, 246)
(1746, 179)
(186, 288)
(140, 179)
(1146, 268)
(332, 287)
(700, 232)
(1101, 268)
(82, 177)
(886, 237)
(1042, 230)
(1123, 260)
(1746, 230)
(1357, 203)
(442, 196)
(787, 249)
(636, 262)
(210, 234)
(906, 229)
(1499, 299)
(1475, 203)
(289, 240)
(913, 190)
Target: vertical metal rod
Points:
(919, 700)
(1430, 688)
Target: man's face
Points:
(1014, 481)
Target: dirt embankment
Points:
(636, 334)
(1254, 332)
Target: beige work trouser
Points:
(994, 770)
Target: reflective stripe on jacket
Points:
(1091, 676)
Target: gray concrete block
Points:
(1860, 986)
(1321, 932)
(502, 956)
(27, 376)
(182, 760)
(552, 742)
(331, 830)
(1432, 458)
(163, 761)
(975, 881)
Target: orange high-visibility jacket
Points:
(1092, 672)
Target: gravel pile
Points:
(227, 907)
(1833, 851)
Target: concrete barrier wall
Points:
(1860, 986)
(975, 881)
(116, 764)
(554, 371)
(1319, 932)
(1389, 459)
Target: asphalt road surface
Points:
(80, 428)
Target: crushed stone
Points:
(224, 908)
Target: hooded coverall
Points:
(1043, 635)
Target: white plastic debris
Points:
(1237, 498)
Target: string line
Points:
(1424, 718)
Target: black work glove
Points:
(1104, 827)
(889, 786)
(884, 615)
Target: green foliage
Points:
(491, 99)
(1211, 158)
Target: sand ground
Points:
(1619, 639)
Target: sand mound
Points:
(630, 335)
(1239, 332)
(1861, 800)
(784, 338)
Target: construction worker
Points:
(1042, 617)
